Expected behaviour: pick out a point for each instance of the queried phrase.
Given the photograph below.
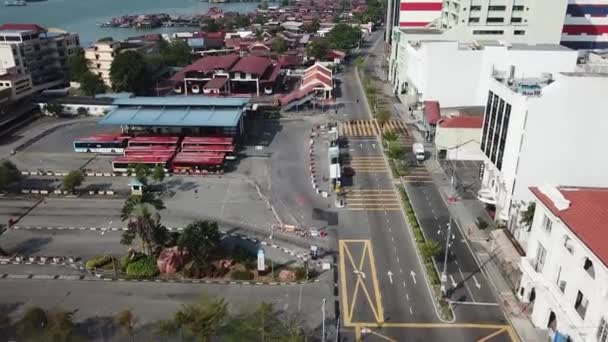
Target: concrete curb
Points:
(300, 256)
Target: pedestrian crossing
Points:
(418, 174)
(365, 164)
(372, 200)
(370, 128)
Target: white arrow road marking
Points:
(413, 274)
(477, 284)
(454, 284)
(390, 276)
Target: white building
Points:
(565, 272)
(548, 129)
(457, 138)
(31, 49)
(100, 57)
(458, 74)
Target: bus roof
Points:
(208, 148)
(103, 138)
(205, 158)
(154, 139)
(211, 140)
(143, 159)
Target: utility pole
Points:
(323, 317)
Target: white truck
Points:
(418, 150)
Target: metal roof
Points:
(180, 117)
(183, 101)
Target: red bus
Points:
(101, 143)
(153, 141)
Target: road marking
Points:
(496, 333)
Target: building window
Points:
(588, 267)
(580, 305)
(568, 244)
(495, 20)
(561, 283)
(488, 32)
(519, 32)
(602, 330)
(541, 256)
(515, 20)
(547, 224)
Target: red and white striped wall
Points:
(418, 13)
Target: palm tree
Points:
(143, 220)
(126, 320)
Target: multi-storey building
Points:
(536, 130)
(565, 271)
(586, 24)
(100, 57)
(31, 49)
(457, 74)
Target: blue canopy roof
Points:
(181, 117)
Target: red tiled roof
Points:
(431, 112)
(216, 83)
(252, 64)
(207, 64)
(587, 216)
(22, 27)
(462, 122)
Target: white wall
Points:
(549, 297)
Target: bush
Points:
(144, 267)
(98, 262)
(241, 275)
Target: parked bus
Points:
(102, 143)
(153, 141)
(121, 164)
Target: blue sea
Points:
(82, 16)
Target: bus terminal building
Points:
(180, 115)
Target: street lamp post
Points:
(323, 317)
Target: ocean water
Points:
(82, 16)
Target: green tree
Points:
(53, 109)
(383, 116)
(73, 180)
(242, 21)
(77, 66)
(144, 223)
(129, 73)
(430, 249)
(91, 84)
(210, 25)
(200, 238)
(126, 320)
(317, 49)
(528, 215)
(395, 151)
(177, 53)
(134, 200)
(344, 37)
(201, 320)
(263, 5)
(279, 45)
(8, 174)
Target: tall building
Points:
(586, 24)
(31, 49)
(534, 132)
(565, 271)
